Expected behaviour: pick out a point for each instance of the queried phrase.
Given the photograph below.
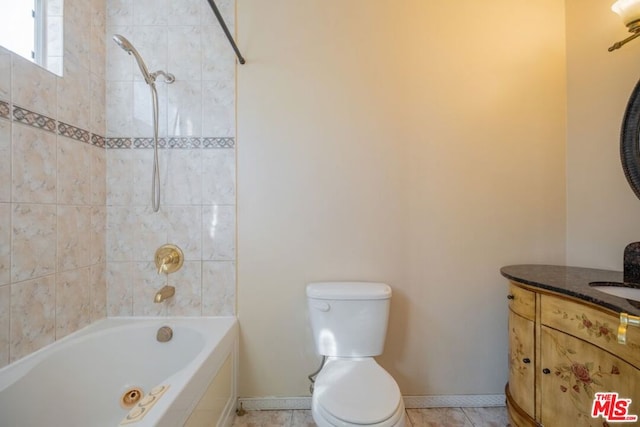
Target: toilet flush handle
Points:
(321, 306)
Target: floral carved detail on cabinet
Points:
(517, 354)
(581, 379)
(594, 329)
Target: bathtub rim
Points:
(226, 332)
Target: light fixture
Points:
(629, 11)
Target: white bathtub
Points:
(79, 380)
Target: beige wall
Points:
(405, 142)
(602, 211)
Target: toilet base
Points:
(399, 419)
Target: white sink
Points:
(617, 289)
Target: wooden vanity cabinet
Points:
(522, 348)
(574, 354)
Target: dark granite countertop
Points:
(574, 282)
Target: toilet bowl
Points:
(349, 323)
(356, 392)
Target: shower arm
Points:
(226, 31)
(168, 77)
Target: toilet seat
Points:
(357, 392)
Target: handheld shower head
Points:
(128, 47)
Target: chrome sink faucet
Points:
(164, 294)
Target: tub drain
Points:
(131, 397)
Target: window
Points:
(33, 30)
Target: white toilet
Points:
(349, 323)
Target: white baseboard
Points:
(410, 402)
(454, 401)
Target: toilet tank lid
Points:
(348, 290)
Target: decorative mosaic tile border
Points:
(170, 143)
(30, 118)
(5, 110)
(74, 132)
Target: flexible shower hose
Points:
(155, 183)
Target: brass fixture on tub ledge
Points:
(169, 258)
(164, 334)
(165, 293)
(626, 320)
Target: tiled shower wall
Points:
(53, 189)
(197, 158)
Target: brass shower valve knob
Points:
(169, 258)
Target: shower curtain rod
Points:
(226, 31)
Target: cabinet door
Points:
(521, 362)
(572, 372)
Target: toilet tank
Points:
(349, 319)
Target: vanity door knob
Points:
(510, 297)
(546, 371)
(526, 360)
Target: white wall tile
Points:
(98, 40)
(218, 57)
(227, 10)
(33, 87)
(98, 176)
(188, 283)
(120, 12)
(55, 37)
(98, 283)
(5, 315)
(218, 288)
(5, 243)
(33, 241)
(34, 166)
(185, 52)
(119, 177)
(119, 109)
(146, 282)
(32, 315)
(151, 43)
(98, 235)
(218, 233)
(183, 229)
(143, 110)
(120, 234)
(98, 101)
(142, 171)
(74, 95)
(74, 172)
(77, 31)
(185, 108)
(150, 12)
(119, 289)
(184, 12)
(181, 177)
(149, 232)
(73, 296)
(218, 109)
(5, 74)
(218, 177)
(119, 65)
(74, 237)
(5, 160)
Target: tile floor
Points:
(431, 417)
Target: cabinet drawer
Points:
(590, 324)
(522, 301)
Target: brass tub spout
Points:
(164, 294)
